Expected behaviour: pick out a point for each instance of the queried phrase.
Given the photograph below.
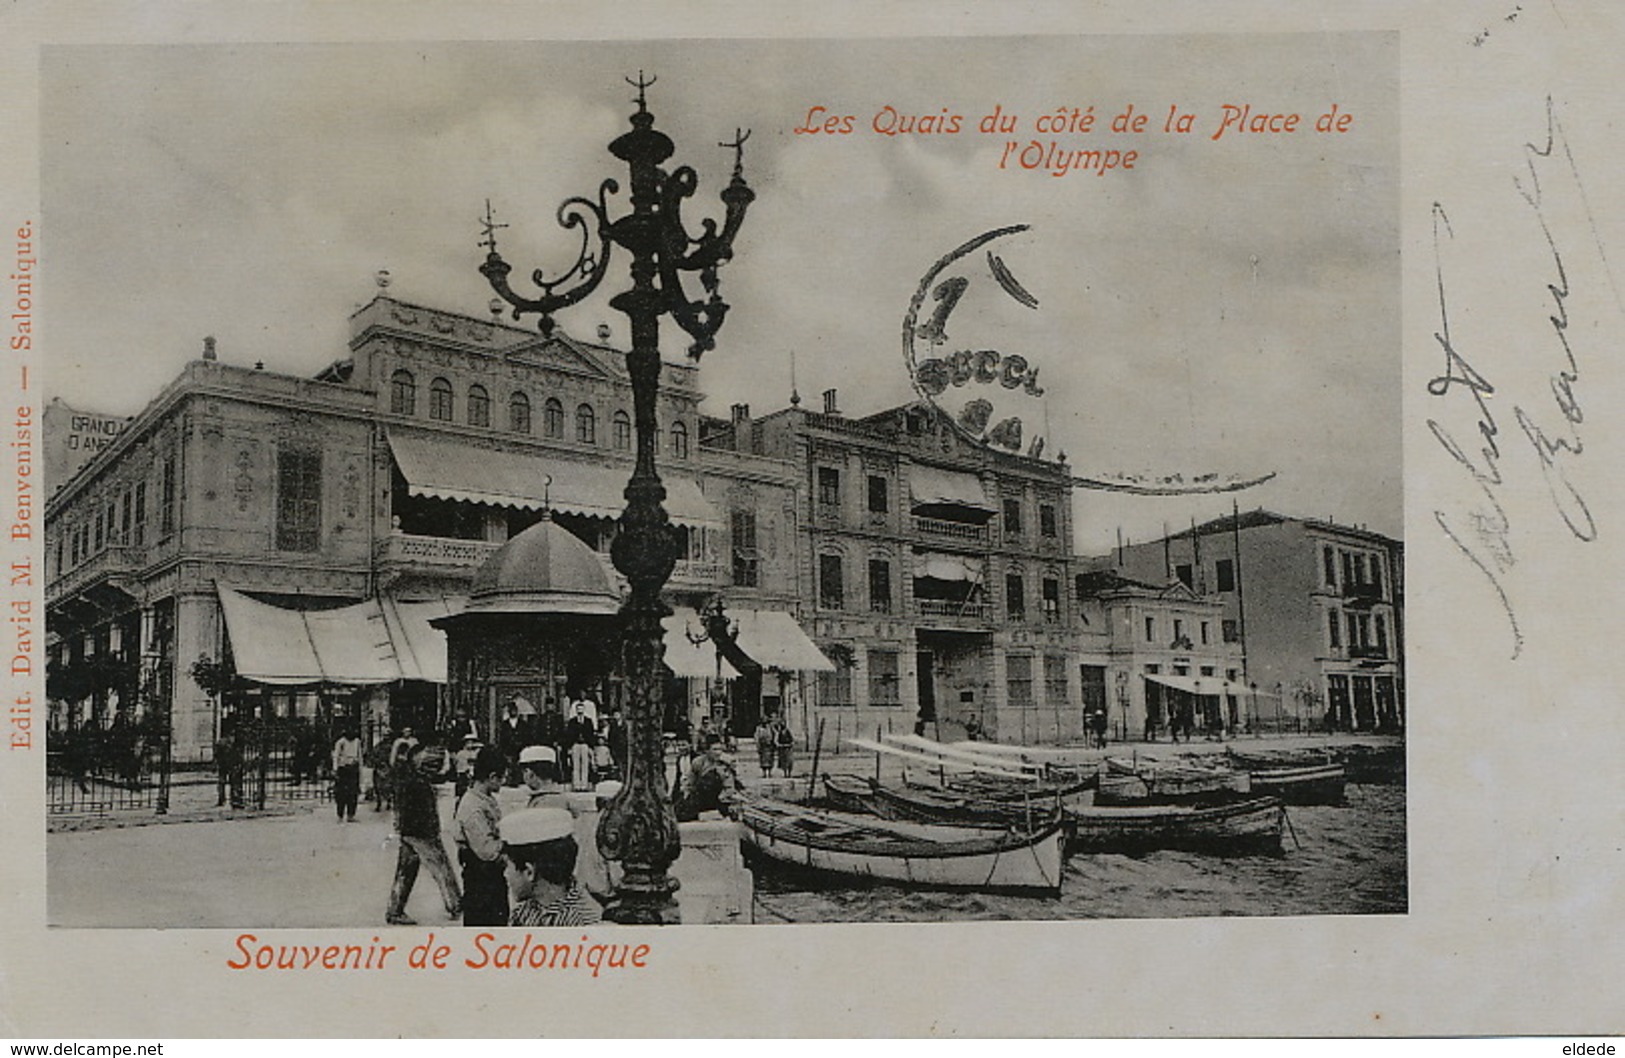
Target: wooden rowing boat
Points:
(1320, 784)
(1146, 781)
(1243, 827)
(930, 855)
(927, 804)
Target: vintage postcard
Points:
(1097, 524)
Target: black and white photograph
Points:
(908, 493)
(1028, 615)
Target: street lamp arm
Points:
(682, 252)
(580, 279)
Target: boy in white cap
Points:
(539, 766)
(540, 849)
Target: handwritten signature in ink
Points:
(1484, 536)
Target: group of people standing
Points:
(775, 745)
(520, 869)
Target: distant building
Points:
(1153, 650)
(1314, 611)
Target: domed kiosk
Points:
(541, 622)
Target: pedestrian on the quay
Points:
(462, 765)
(784, 745)
(228, 764)
(581, 734)
(973, 727)
(347, 773)
(539, 848)
(479, 843)
(1098, 725)
(711, 784)
(401, 748)
(539, 768)
(766, 751)
(417, 822)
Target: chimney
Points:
(740, 414)
(829, 403)
(208, 348)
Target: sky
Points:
(1226, 306)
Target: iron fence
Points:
(94, 768)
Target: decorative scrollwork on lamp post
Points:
(640, 827)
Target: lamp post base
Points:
(644, 899)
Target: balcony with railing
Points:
(1368, 652)
(967, 611)
(438, 553)
(117, 561)
(944, 529)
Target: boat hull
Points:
(1322, 784)
(1243, 828)
(933, 856)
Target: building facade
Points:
(935, 569)
(1314, 611)
(390, 476)
(1153, 653)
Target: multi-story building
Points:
(1313, 610)
(935, 568)
(1152, 650)
(242, 503)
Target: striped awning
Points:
(454, 470)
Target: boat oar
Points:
(1287, 816)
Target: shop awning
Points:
(369, 642)
(1199, 685)
(450, 470)
(774, 640)
(936, 487)
(947, 567)
(687, 658)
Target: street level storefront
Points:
(378, 663)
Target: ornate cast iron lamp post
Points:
(640, 827)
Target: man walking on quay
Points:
(417, 821)
(479, 843)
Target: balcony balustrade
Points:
(970, 611)
(949, 530)
(112, 561)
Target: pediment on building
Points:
(560, 352)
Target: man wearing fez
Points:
(479, 843)
(540, 850)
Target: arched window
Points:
(586, 425)
(479, 406)
(403, 393)
(519, 413)
(440, 400)
(679, 440)
(553, 418)
(623, 432)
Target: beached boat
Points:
(930, 855)
(1318, 784)
(1300, 777)
(928, 804)
(1146, 781)
(1243, 827)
